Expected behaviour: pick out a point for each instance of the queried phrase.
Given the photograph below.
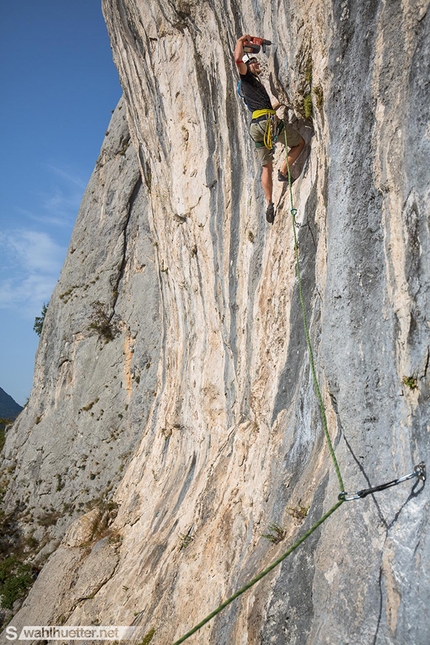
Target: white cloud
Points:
(31, 255)
(65, 197)
(59, 205)
(36, 251)
(62, 204)
(72, 179)
(31, 262)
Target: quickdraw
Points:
(419, 472)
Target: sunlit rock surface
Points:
(205, 385)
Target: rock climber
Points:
(265, 125)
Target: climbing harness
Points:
(270, 128)
(270, 133)
(258, 114)
(419, 472)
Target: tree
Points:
(39, 320)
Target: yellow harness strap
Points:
(268, 134)
(258, 113)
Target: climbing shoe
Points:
(270, 213)
(282, 177)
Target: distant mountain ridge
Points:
(9, 409)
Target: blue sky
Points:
(59, 87)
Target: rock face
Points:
(173, 384)
(96, 366)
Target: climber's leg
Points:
(295, 143)
(267, 181)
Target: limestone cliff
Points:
(173, 418)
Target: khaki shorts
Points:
(257, 130)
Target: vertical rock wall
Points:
(95, 378)
(232, 441)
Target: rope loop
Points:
(270, 134)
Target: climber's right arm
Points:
(239, 53)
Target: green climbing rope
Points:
(274, 564)
(306, 328)
(261, 575)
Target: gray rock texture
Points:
(174, 421)
(96, 366)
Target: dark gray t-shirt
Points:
(256, 96)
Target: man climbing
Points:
(265, 125)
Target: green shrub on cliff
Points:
(15, 580)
